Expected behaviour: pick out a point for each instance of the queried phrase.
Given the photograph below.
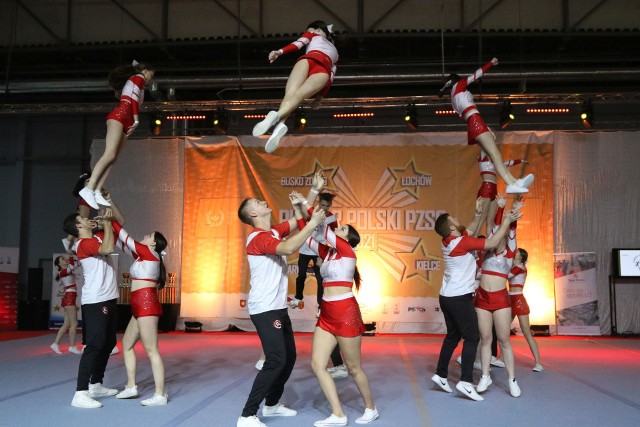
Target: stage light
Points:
(506, 115)
(299, 120)
(220, 121)
(352, 115)
(586, 115)
(411, 117)
(156, 123)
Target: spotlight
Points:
(586, 115)
(299, 120)
(220, 121)
(156, 123)
(506, 115)
(411, 117)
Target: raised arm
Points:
(499, 235)
(474, 227)
(317, 185)
(481, 71)
(108, 243)
(293, 243)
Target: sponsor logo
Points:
(277, 324)
(243, 303)
(105, 309)
(215, 219)
(417, 308)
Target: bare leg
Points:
(488, 144)
(148, 326)
(485, 324)
(323, 345)
(300, 86)
(112, 144)
(350, 348)
(502, 321)
(63, 329)
(526, 330)
(131, 336)
(486, 204)
(72, 314)
(107, 171)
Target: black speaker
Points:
(35, 282)
(33, 315)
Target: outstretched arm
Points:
(481, 71)
(293, 243)
(474, 227)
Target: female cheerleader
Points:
(128, 81)
(147, 277)
(67, 278)
(311, 76)
(340, 321)
(477, 130)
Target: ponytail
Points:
(161, 244)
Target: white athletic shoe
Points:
(497, 362)
(128, 393)
(476, 365)
(484, 383)
(526, 181)
(514, 388)
(55, 348)
(340, 371)
(468, 390)
(332, 420)
(278, 410)
(538, 368)
(156, 400)
(252, 421)
(368, 416)
(115, 350)
(274, 139)
(442, 383)
(75, 350)
(516, 189)
(262, 127)
(259, 364)
(89, 196)
(100, 198)
(82, 400)
(98, 390)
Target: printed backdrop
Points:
(390, 188)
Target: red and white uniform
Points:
(68, 280)
(517, 277)
(131, 99)
(320, 52)
(462, 103)
(489, 189)
(144, 301)
(98, 271)
(459, 264)
(340, 314)
(268, 270)
(330, 221)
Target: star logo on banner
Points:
(56, 308)
(329, 173)
(409, 179)
(417, 262)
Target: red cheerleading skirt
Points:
(144, 302)
(341, 318)
(69, 299)
(488, 190)
(475, 127)
(492, 301)
(123, 113)
(519, 306)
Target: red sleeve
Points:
(263, 244)
(486, 67)
(303, 40)
(139, 81)
(301, 223)
(283, 229)
(468, 244)
(88, 248)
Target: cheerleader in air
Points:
(311, 76)
(128, 81)
(477, 130)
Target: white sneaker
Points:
(468, 390)
(526, 181)
(82, 400)
(262, 127)
(274, 139)
(497, 362)
(514, 388)
(278, 410)
(516, 189)
(75, 350)
(100, 198)
(55, 348)
(476, 365)
(538, 368)
(98, 390)
(294, 303)
(259, 364)
(442, 383)
(368, 416)
(156, 400)
(115, 350)
(251, 421)
(484, 383)
(128, 393)
(89, 196)
(332, 420)
(339, 371)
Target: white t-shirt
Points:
(98, 271)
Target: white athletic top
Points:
(98, 271)
(269, 282)
(459, 264)
(331, 221)
(461, 98)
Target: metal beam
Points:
(39, 21)
(588, 14)
(136, 20)
(483, 14)
(335, 16)
(385, 14)
(236, 17)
